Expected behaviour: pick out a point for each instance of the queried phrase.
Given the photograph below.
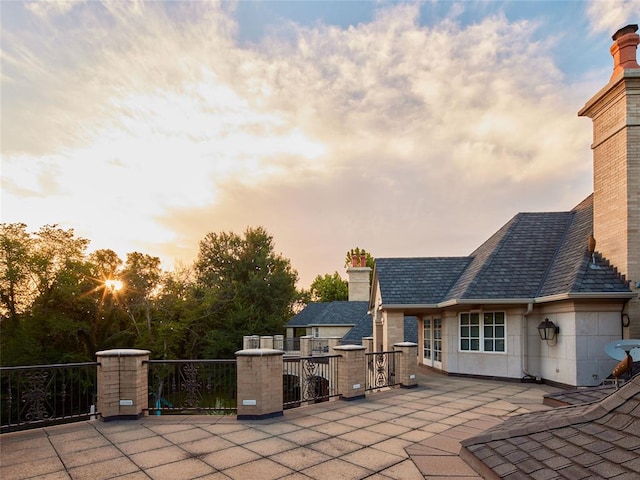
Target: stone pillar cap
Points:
(349, 347)
(122, 352)
(405, 344)
(258, 352)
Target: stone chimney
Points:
(359, 285)
(615, 112)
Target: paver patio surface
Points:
(401, 434)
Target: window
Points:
(316, 332)
(483, 332)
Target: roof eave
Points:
(586, 296)
(509, 301)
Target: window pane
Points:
(499, 317)
(500, 332)
(488, 318)
(464, 331)
(475, 319)
(475, 344)
(464, 344)
(464, 318)
(488, 331)
(499, 345)
(488, 345)
(475, 332)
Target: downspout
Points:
(523, 346)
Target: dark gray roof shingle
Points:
(330, 313)
(417, 280)
(531, 256)
(583, 441)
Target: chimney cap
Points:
(632, 28)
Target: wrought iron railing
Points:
(184, 386)
(291, 344)
(319, 346)
(381, 370)
(309, 379)
(39, 395)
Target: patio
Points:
(398, 434)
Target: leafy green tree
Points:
(45, 292)
(329, 288)
(244, 288)
(141, 277)
(16, 288)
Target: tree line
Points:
(60, 304)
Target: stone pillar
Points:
(123, 384)
(266, 341)
(407, 365)
(367, 343)
(250, 341)
(305, 346)
(393, 329)
(351, 371)
(278, 342)
(333, 342)
(259, 383)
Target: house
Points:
(542, 297)
(349, 320)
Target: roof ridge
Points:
(510, 225)
(559, 245)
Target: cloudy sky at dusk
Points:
(406, 128)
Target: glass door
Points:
(432, 343)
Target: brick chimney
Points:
(358, 273)
(615, 112)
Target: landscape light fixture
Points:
(548, 331)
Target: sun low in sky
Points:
(406, 128)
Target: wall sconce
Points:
(548, 331)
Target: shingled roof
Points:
(534, 255)
(597, 440)
(331, 313)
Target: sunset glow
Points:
(410, 129)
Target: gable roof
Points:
(533, 256)
(417, 280)
(331, 313)
(582, 441)
(347, 313)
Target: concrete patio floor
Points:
(402, 434)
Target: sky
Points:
(404, 128)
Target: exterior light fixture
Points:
(548, 331)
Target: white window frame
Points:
(316, 332)
(486, 332)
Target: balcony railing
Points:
(39, 395)
(183, 386)
(309, 379)
(381, 370)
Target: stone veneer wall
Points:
(615, 112)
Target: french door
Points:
(432, 342)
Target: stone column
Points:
(333, 342)
(259, 383)
(305, 346)
(266, 341)
(407, 365)
(351, 371)
(278, 342)
(367, 342)
(123, 384)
